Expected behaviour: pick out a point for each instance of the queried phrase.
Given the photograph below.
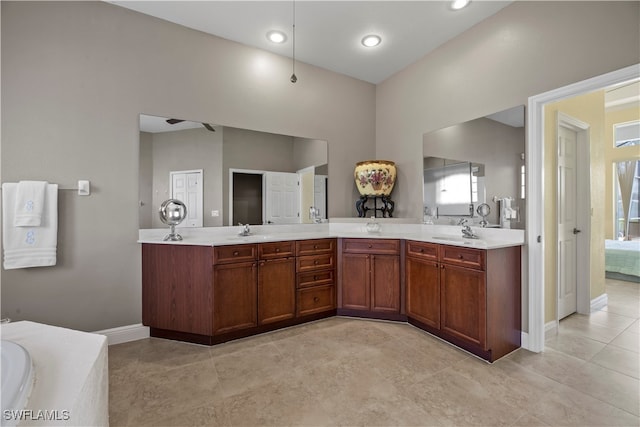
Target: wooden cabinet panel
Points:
(234, 253)
(371, 246)
(464, 257)
(315, 246)
(316, 278)
(234, 297)
(464, 304)
(316, 299)
(423, 250)
(275, 250)
(385, 283)
(423, 290)
(315, 262)
(276, 290)
(355, 281)
(176, 288)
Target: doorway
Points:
(186, 186)
(246, 198)
(534, 251)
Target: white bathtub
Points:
(17, 380)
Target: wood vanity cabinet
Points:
(370, 276)
(470, 297)
(176, 288)
(253, 284)
(276, 282)
(315, 283)
(235, 296)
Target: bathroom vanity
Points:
(212, 290)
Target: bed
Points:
(622, 260)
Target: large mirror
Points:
(227, 175)
(476, 162)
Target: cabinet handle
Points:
(370, 246)
(421, 250)
(315, 246)
(315, 277)
(277, 249)
(316, 299)
(236, 253)
(461, 256)
(315, 262)
(442, 266)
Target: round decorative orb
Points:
(375, 177)
(172, 212)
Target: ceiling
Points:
(328, 33)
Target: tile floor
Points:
(343, 371)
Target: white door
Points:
(186, 186)
(282, 198)
(567, 221)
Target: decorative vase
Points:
(375, 177)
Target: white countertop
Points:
(489, 238)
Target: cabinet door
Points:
(385, 283)
(355, 281)
(276, 290)
(423, 291)
(464, 304)
(234, 297)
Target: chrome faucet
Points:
(468, 232)
(245, 231)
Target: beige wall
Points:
(526, 49)
(75, 77)
(587, 108)
(613, 155)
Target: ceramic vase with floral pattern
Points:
(375, 177)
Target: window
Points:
(626, 134)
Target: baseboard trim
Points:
(550, 329)
(124, 334)
(598, 303)
(524, 340)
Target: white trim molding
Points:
(551, 328)
(535, 185)
(598, 303)
(124, 334)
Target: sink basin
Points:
(450, 238)
(17, 377)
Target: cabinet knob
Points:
(316, 299)
(236, 253)
(421, 250)
(370, 246)
(315, 246)
(461, 256)
(315, 262)
(315, 277)
(277, 249)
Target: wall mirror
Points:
(229, 175)
(475, 162)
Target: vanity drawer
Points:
(315, 300)
(371, 246)
(465, 257)
(315, 262)
(422, 250)
(316, 278)
(234, 253)
(313, 247)
(275, 249)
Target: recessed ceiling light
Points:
(371, 40)
(459, 4)
(276, 36)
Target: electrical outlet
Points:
(215, 213)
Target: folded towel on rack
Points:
(29, 203)
(29, 246)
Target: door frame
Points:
(583, 212)
(533, 340)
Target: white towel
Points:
(29, 246)
(29, 203)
